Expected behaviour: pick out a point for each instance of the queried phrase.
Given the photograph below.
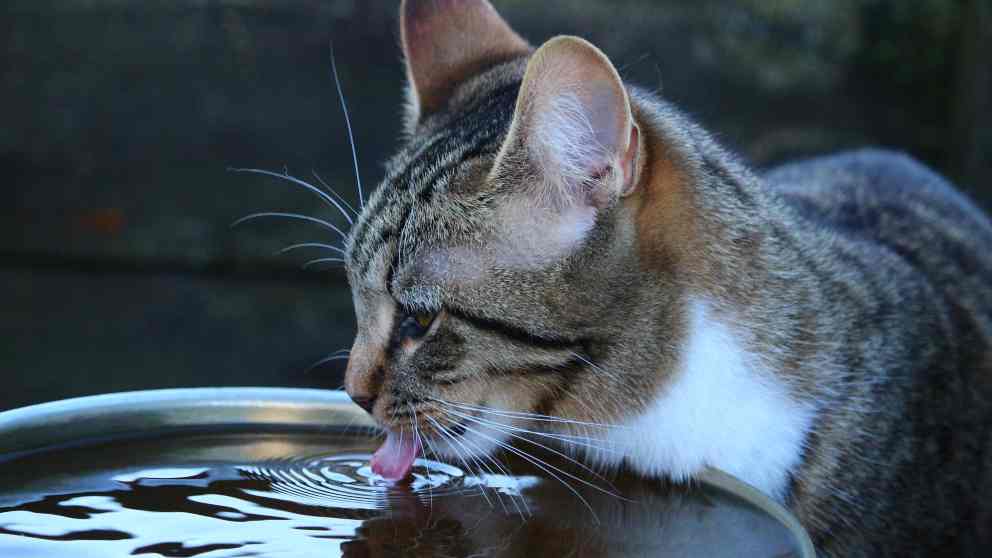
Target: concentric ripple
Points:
(346, 480)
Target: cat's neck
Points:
(712, 226)
(722, 408)
(741, 396)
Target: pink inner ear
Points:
(606, 113)
(575, 121)
(579, 133)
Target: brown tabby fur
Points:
(860, 279)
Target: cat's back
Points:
(907, 211)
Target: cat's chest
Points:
(721, 409)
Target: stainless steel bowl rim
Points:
(69, 421)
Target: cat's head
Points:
(496, 265)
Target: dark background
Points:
(117, 265)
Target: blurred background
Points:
(119, 269)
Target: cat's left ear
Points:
(572, 127)
(447, 41)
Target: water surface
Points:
(313, 495)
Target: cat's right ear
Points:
(447, 41)
(572, 128)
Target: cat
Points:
(555, 251)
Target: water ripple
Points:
(346, 480)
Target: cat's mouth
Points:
(394, 459)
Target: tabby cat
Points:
(557, 251)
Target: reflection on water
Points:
(233, 496)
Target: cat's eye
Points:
(424, 319)
(415, 324)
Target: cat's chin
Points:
(469, 440)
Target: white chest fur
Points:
(721, 409)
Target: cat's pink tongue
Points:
(394, 459)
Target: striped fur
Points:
(855, 290)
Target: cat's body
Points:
(900, 457)
(553, 249)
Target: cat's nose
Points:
(363, 377)
(365, 402)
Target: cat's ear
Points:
(572, 127)
(447, 41)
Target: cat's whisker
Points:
(347, 121)
(476, 420)
(587, 361)
(497, 466)
(334, 192)
(429, 448)
(521, 434)
(509, 431)
(479, 455)
(312, 263)
(499, 412)
(568, 441)
(544, 466)
(286, 215)
(574, 439)
(506, 473)
(334, 357)
(329, 358)
(297, 181)
(469, 454)
(351, 424)
(451, 438)
(419, 441)
(493, 410)
(529, 416)
(309, 245)
(483, 468)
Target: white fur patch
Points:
(722, 410)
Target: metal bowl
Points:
(32, 431)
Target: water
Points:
(308, 495)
